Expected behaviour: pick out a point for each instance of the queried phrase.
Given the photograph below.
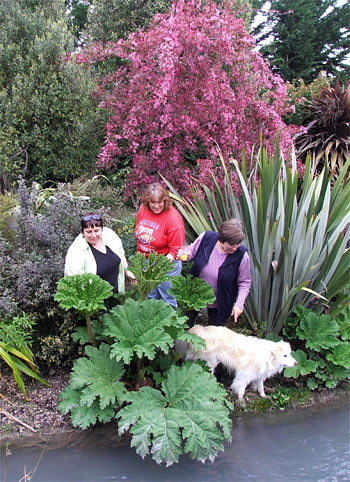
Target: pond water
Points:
(304, 445)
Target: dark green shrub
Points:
(32, 261)
(57, 350)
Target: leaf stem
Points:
(89, 327)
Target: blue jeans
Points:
(160, 292)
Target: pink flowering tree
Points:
(193, 81)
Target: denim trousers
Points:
(160, 292)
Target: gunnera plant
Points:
(327, 136)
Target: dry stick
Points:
(6, 399)
(15, 419)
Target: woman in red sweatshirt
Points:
(160, 228)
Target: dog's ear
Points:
(281, 350)
(277, 350)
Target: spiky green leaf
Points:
(83, 416)
(191, 293)
(149, 273)
(191, 416)
(140, 328)
(296, 231)
(97, 376)
(84, 292)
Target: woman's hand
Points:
(131, 276)
(236, 311)
(170, 256)
(183, 253)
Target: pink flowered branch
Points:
(193, 79)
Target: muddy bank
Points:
(37, 422)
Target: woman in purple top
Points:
(221, 261)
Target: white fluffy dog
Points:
(252, 359)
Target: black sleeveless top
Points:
(107, 266)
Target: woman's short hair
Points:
(156, 192)
(231, 232)
(91, 220)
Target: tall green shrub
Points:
(49, 122)
(297, 232)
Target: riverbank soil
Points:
(38, 422)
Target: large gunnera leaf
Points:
(94, 391)
(149, 273)
(84, 292)
(318, 331)
(140, 327)
(191, 293)
(191, 415)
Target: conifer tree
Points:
(309, 36)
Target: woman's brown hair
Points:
(91, 220)
(231, 231)
(156, 192)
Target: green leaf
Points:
(331, 383)
(140, 328)
(344, 324)
(21, 360)
(312, 383)
(81, 335)
(84, 292)
(94, 392)
(83, 416)
(191, 293)
(191, 416)
(97, 376)
(303, 367)
(319, 331)
(70, 398)
(149, 273)
(196, 341)
(340, 372)
(340, 355)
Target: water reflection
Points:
(304, 445)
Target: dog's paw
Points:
(240, 402)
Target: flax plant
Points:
(297, 232)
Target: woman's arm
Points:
(244, 282)
(76, 256)
(175, 230)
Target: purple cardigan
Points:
(240, 286)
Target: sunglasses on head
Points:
(91, 217)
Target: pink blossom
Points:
(192, 81)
